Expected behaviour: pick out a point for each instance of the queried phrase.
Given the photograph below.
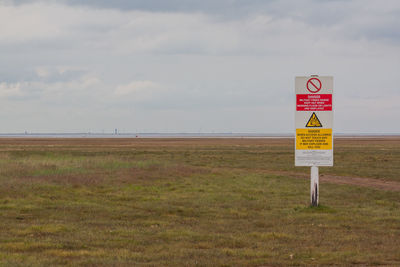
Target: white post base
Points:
(314, 186)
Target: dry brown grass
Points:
(186, 202)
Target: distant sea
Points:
(177, 135)
(143, 135)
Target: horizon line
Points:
(187, 134)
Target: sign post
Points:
(314, 125)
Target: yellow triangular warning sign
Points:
(313, 121)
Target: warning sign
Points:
(313, 121)
(318, 102)
(314, 139)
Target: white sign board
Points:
(314, 121)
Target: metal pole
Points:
(314, 186)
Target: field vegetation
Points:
(188, 202)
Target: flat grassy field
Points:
(189, 202)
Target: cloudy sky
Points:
(195, 66)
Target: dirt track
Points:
(347, 180)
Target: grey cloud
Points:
(207, 67)
(337, 14)
(209, 6)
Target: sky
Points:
(195, 66)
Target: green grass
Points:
(185, 206)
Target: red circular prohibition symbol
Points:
(314, 85)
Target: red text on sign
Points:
(319, 102)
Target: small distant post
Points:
(314, 127)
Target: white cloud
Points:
(27, 23)
(42, 72)
(59, 92)
(140, 90)
(10, 90)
